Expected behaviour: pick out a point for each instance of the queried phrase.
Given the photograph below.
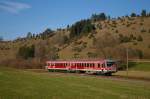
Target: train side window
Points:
(93, 65)
(103, 65)
(59, 64)
(55, 64)
(82, 64)
(77, 64)
(99, 65)
(71, 64)
(88, 64)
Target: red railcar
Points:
(89, 66)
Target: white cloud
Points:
(13, 7)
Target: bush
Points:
(133, 28)
(139, 38)
(26, 52)
(124, 39)
(23, 64)
(76, 55)
(91, 36)
(140, 54)
(77, 49)
(141, 24)
(134, 43)
(116, 31)
(128, 25)
(84, 45)
(143, 30)
(92, 55)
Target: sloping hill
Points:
(134, 31)
(109, 39)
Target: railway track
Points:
(118, 77)
(115, 77)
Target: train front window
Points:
(109, 64)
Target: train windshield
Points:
(109, 64)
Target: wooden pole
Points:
(127, 65)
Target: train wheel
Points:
(108, 74)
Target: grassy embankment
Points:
(139, 70)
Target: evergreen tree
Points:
(29, 35)
(1, 38)
(143, 13)
(83, 26)
(99, 17)
(133, 15)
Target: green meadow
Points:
(21, 84)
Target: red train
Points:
(106, 67)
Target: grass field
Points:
(21, 84)
(141, 66)
(138, 70)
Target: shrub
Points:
(131, 36)
(123, 23)
(149, 46)
(116, 31)
(77, 49)
(128, 25)
(143, 30)
(134, 43)
(124, 39)
(76, 55)
(133, 28)
(140, 53)
(91, 55)
(26, 52)
(91, 36)
(139, 38)
(84, 45)
(141, 23)
(23, 64)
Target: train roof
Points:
(100, 60)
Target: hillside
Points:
(130, 27)
(109, 39)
